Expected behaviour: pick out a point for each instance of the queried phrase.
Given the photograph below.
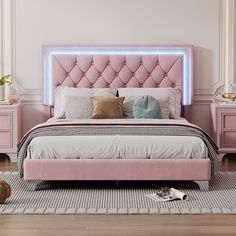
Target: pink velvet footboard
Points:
(98, 169)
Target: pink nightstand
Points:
(10, 129)
(224, 127)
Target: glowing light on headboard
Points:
(185, 51)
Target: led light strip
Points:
(185, 51)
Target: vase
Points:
(2, 93)
(13, 94)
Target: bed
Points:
(118, 114)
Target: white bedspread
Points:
(117, 147)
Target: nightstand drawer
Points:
(5, 121)
(229, 120)
(224, 126)
(228, 138)
(5, 139)
(10, 129)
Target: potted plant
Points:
(4, 80)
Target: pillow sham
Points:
(62, 91)
(107, 107)
(146, 107)
(173, 95)
(78, 107)
(129, 103)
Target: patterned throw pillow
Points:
(147, 107)
(107, 107)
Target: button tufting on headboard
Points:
(118, 67)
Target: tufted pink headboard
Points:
(133, 66)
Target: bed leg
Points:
(203, 184)
(31, 185)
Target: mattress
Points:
(117, 147)
(116, 139)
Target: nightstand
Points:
(10, 129)
(224, 127)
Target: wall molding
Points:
(7, 37)
(227, 47)
(226, 51)
(1, 35)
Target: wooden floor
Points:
(113, 225)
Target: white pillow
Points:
(129, 102)
(62, 91)
(173, 95)
(78, 107)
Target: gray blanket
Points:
(79, 129)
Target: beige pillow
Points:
(107, 107)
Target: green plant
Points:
(5, 79)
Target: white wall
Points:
(112, 22)
(234, 63)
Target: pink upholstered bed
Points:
(117, 67)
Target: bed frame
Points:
(114, 67)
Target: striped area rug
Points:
(104, 198)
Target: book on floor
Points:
(167, 194)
